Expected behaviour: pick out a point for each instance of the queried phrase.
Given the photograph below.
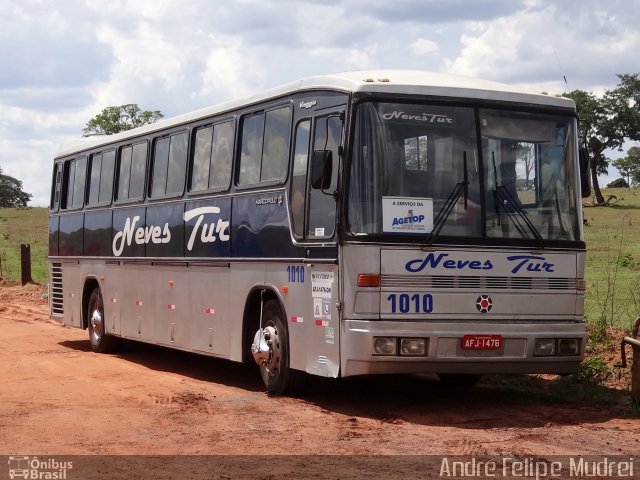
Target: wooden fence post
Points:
(25, 263)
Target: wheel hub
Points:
(96, 322)
(266, 349)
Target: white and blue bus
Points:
(360, 223)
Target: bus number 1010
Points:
(416, 303)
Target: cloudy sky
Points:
(63, 61)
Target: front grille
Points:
(484, 283)
(57, 295)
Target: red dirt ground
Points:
(60, 398)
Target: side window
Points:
(132, 169)
(251, 154)
(106, 176)
(265, 146)
(275, 152)
(101, 177)
(169, 165)
(212, 157)
(299, 176)
(138, 170)
(75, 173)
(124, 175)
(56, 185)
(94, 176)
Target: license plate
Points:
(482, 342)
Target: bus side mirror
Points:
(585, 173)
(321, 169)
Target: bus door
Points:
(322, 335)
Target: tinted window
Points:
(132, 170)
(138, 170)
(106, 176)
(75, 182)
(212, 157)
(55, 189)
(177, 164)
(160, 162)
(251, 154)
(125, 173)
(275, 152)
(265, 146)
(101, 178)
(299, 176)
(221, 156)
(94, 182)
(201, 159)
(169, 161)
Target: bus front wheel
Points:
(271, 351)
(96, 321)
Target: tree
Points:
(618, 183)
(526, 153)
(11, 194)
(120, 118)
(607, 122)
(629, 166)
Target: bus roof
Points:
(367, 81)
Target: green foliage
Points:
(629, 166)
(11, 193)
(607, 122)
(618, 183)
(594, 370)
(120, 118)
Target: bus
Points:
(371, 222)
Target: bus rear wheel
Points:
(277, 376)
(96, 321)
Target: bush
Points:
(618, 183)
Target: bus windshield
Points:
(420, 171)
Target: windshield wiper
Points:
(503, 198)
(461, 188)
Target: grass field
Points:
(613, 260)
(613, 254)
(23, 225)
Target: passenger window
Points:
(275, 154)
(138, 170)
(101, 178)
(76, 176)
(94, 182)
(265, 147)
(212, 157)
(169, 162)
(124, 174)
(251, 154)
(132, 171)
(106, 176)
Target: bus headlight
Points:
(384, 345)
(544, 347)
(413, 346)
(568, 346)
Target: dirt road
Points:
(58, 397)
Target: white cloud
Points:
(422, 46)
(64, 61)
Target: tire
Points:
(277, 377)
(100, 341)
(461, 380)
